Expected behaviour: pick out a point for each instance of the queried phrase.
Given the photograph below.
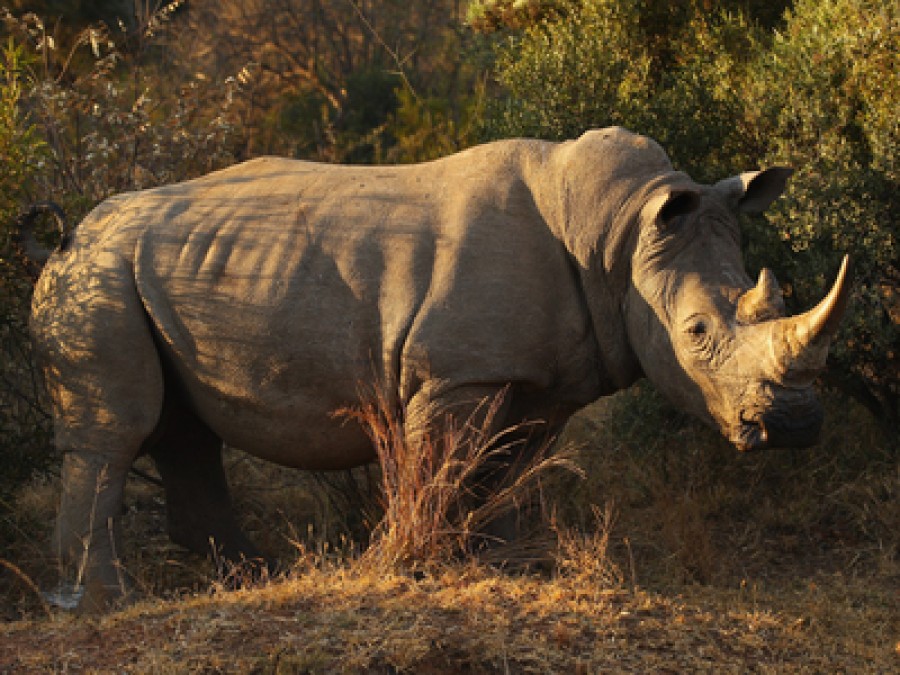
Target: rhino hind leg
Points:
(105, 383)
(199, 512)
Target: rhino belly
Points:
(268, 355)
(279, 400)
(271, 398)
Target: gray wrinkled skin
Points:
(248, 305)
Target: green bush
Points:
(698, 106)
(831, 91)
(724, 94)
(428, 128)
(77, 124)
(491, 15)
(563, 75)
(24, 428)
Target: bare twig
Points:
(25, 579)
(400, 62)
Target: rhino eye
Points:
(697, 328)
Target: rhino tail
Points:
(23, 233)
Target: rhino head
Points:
(718, 345)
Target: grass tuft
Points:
(436, 506)
(697, 511)
(583, 556)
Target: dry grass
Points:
(583, 556)
(710, 561)
(465, 619)
(696, 511)
(431, 512)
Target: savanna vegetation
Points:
(669, 549)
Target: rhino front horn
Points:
(802, 341)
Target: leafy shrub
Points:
(491, 15)
(722, 94)
(831, 94)
(77, 125)
(429, 128)
(564, 75)
(24, 431)
(698, 107)
(112, 122)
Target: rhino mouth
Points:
(787, 418)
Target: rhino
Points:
(246, 306)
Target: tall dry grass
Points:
(690, 512)
(441, 493)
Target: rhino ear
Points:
(675, 204)
(754, 191)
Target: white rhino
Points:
(248, 305)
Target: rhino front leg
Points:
(105, 384)
(485, 410)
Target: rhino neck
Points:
(617, 364)
(598, 229)
(589, 189)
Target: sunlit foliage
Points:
(325, 80)
(24, 432)
(830, 92)
(81, 120)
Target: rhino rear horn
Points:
(763, 302)
(802, 341)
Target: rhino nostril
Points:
(751, 434)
